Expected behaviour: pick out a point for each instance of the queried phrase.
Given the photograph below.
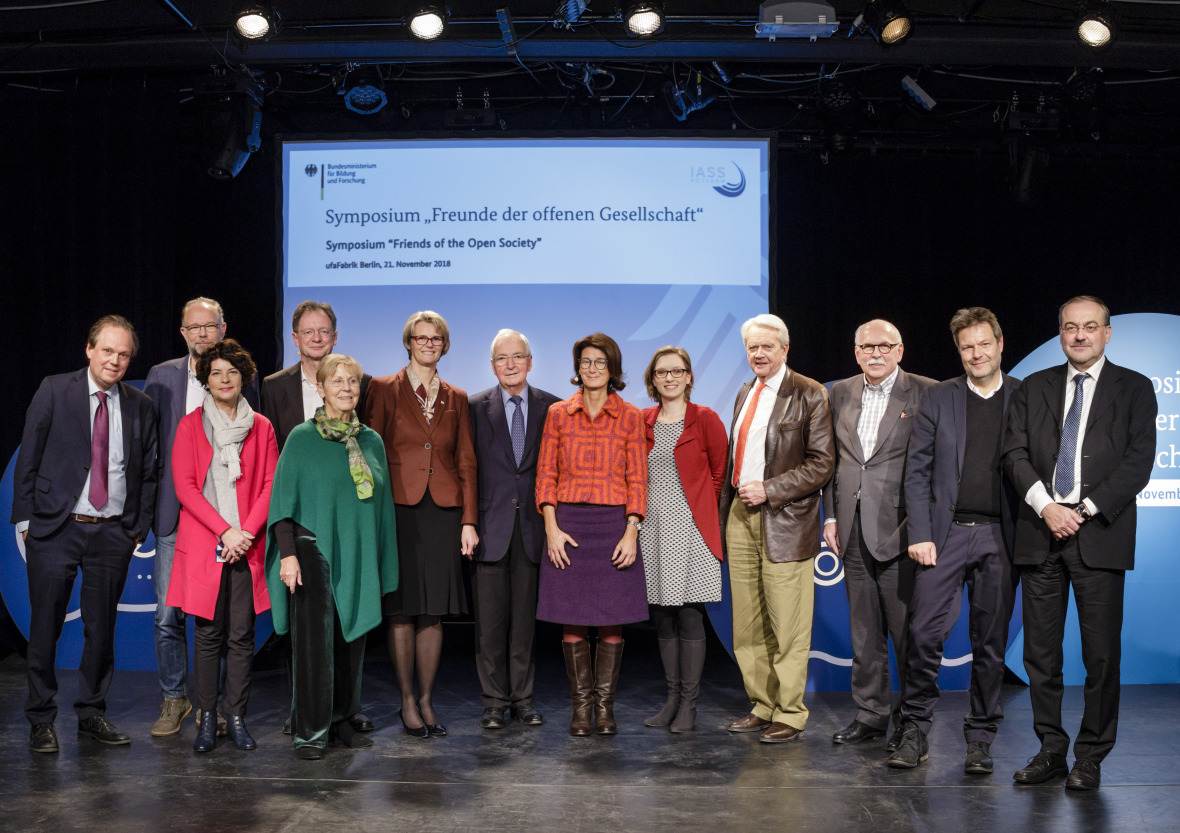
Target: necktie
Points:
(100, 443)
(517, 429)
(1064, 480)
(739, 449)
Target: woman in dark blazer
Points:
(681, 535)
(426, 429)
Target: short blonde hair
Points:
(429, 317)
(327, 368)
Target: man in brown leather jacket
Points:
(781, 454)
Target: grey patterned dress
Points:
(678, 564)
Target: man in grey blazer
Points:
(864, 519)
(506, 423)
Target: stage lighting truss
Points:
(363, 89)
(1095, 26)
(644, 19)
(428, 21)
(255, 22)
(887, 20)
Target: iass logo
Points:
(732, 189)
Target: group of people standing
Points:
(339, 501)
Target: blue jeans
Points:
(171, 629)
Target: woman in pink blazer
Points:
(223, 462)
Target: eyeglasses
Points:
(500, 361)
(885, 349)
(599, 363)
(422, 341)
(323, 332)
(337, 384)
(675, 373)
(1090, 327)
(193, 329)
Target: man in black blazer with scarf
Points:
(511, 532)
(84, 486)
(1080, 445)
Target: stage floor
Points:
(522, 778)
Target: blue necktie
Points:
(517, 429)
(1064, 480)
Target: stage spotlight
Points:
(1095, 23)
(364, 91)
(256, 21)
(888, 20)
(428, 22)
(643, 19)
(231, 124)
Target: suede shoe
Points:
(492, 718)
(527, 715)
(895, 739)
(781, 733)
(1041, 767)
(1085, 775)
(979, 759)
(913, 749)
(102, 730)
(857, 732)
(42, 738)
(749, 723)
(173, 711)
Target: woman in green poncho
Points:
(331, 553)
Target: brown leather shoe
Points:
(749, 723)
(580, 672)
(781, 733)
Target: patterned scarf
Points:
(425, 399)
(340, 431)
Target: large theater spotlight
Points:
(231, 124)
(643, 19)
(1095, 25)
(256, 21)
(428, 21)
(888, 21)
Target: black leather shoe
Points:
(895, 740)
(235, 727)
(360, 723)
(527, 715)
(42, 738)
(492, 718)
(420, 732)
(309, 753)
(1085, 775)
(979, 758)
(857, 732)
(1041, 767)
(350, 737)
(102, 730)
(436, 730)
(913, 749)
(206, 737)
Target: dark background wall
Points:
(106, 208)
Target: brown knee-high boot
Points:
(581, 676)
(608, 659)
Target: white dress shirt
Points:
(754, 458)
(311, 397)
(116, 470)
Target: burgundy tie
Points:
(100, 443)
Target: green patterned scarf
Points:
(340, 431)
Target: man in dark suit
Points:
(506, 423)
(1080, 445)
(84, 487)
(289, 397)
(864, 520)
(960, 517)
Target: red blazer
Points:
(196, 575)
(439, 456)
(700, 461)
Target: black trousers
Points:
(505, 594)
(1099, 597)
(974, 555)
(326, 668)
(878, 605)
(103, 553)
(231, 627)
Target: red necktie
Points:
(100, 447)
(739, 450)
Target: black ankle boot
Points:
(235, 727)
(206, 732)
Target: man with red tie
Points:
(84, 487)
(781, 454)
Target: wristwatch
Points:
(1084, 511)
(635, 524)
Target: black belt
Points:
(95, 519)
(957, 522)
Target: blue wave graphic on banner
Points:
(730, 189)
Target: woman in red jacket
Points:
(681, 536)
(223, 462)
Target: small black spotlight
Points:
(255, 22)
(1095, 25)
(888, 20)
(231, 124)
(428, 21)
(643, 20)
(364, 91)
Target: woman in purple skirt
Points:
(592, 490)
